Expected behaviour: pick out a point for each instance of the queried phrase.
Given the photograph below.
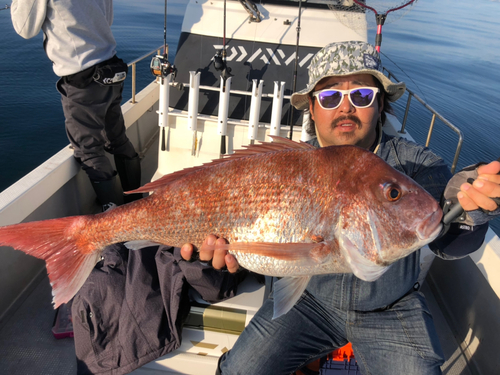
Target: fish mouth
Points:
(430, 228)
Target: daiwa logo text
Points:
(267, 55)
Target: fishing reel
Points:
(220, 64)
(161, 67)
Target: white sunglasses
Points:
(360, 97)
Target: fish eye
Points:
(392, 192)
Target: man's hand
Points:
(220, 258)
(485, 187)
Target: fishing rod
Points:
(7, 6)
(161, 67)
(220, 64)
(224, 79)
(380, 17)
(294, 85)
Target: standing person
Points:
(79, 42)
(387, 320)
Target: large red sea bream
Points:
(286, 208)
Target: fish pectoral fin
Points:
(361, 267)
(316, 252)
(287, 292)
(139, 244)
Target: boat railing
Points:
(435, 115)
(278, 94)
(133, 64)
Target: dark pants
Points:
(94, 124)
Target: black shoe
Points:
(108, 192)
(129, 170)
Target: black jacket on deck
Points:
(131, 309)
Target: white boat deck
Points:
(28, 347)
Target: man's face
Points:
(347, 124)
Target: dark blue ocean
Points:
(447, 51)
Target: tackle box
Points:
(340, 362)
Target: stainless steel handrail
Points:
(133, 65)
(411, 94)
(435, 115)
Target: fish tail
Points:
(68, 257)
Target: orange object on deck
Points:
(340, 361)
(343, 353)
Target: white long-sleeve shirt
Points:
(77, 33)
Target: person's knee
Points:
(98, 169)
(218, 370)
(122, 147)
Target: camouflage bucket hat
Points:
(342, 59)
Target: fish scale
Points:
(286, 208)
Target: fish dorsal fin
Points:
(278, 144)
(287, 143)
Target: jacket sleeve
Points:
(460, 240)
(28, 16)
(213, 285)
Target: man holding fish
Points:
(386, 320)
(341, 226)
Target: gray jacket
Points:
(77, 34)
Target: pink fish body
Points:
(286, 208)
